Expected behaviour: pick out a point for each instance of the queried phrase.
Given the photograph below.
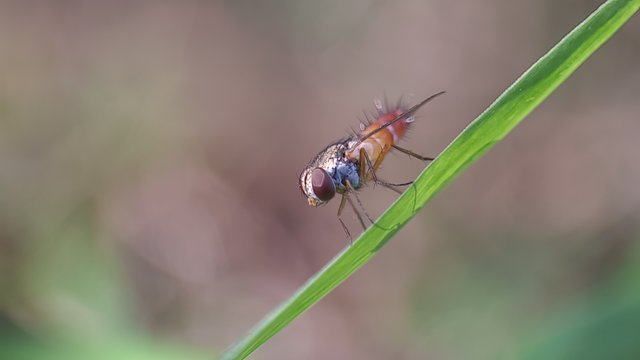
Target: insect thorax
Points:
(341, 169)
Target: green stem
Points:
(490, 127)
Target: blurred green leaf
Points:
(133, 348)
(603, 326)
(73, 283)
(490, 127)
(75, 305)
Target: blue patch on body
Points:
(346, 170)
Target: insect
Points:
(349, 163)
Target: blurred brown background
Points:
(149, 154)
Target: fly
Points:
(350, 163)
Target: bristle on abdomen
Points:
(384, 132)
(381, 134)
(349, 163)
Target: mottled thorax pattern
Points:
(332, 159)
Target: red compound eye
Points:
(322, 184)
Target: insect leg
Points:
(365, 162)
(375, 178)
(353, 206)
(376, 165)
(350, 187)
(362, 167)
(346, 230)
(412, 154)
(363, 210)
(343, 202)
(391, 187)
(385, 183)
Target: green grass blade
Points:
(490, 127)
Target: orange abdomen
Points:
(378, 145)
